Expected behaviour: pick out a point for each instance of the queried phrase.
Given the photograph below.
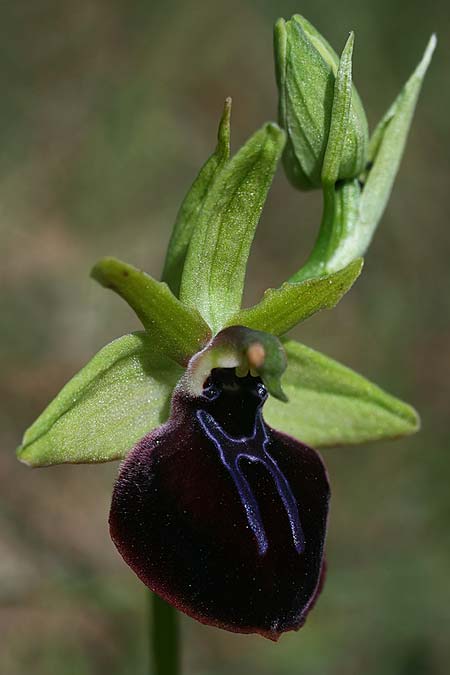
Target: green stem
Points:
(164, 638)
(337, 244)
(315, 265)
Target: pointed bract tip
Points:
(427, 56)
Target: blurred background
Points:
(108, 109)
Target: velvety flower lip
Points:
(223, 516)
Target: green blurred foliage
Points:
(108, 110)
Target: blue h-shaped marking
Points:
(231, 451)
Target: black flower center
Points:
(236, 402)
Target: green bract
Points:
(194, 320)
(385, 152)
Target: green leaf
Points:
(385, 151)
(118, 397)
(214, 272)
(193, 203)
(176, 330)
(283, 308)
(330, 404)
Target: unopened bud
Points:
(306, 68)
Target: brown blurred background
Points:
(108, 108)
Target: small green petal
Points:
(283, 308)
(176, 330)
(329, 404)
(118, 397)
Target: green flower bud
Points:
(306, 68)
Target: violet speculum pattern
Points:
(254, 449)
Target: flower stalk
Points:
(164, 639)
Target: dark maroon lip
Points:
(222, 516)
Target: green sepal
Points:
(214, 271)
(329, 404)
(176, 330)
(283, 308)
(120, 395)
(187, 217)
